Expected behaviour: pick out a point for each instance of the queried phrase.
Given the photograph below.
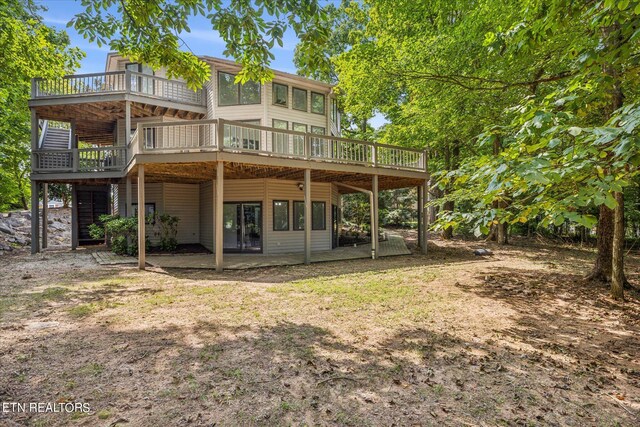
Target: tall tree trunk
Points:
(617, 269)
(502, 229)
(452, 155)
(604, 243)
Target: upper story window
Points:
(317, 103)
(140, 83)
(230, 93)
(280, 94)
(334, 111)
(300, 99)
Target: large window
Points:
(300, 99)
(280, 141)
(319, 146)
(230, 93)
(280, 215)
(280, 94)
(318, 215)
(317, 103)
(298, 140)
(298, 215)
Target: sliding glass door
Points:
(242, 227)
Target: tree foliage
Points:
(28, 49)
(150, 32)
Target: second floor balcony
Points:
(118, 83)
(249, 143)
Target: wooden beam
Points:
(374, 218)
(307, 216)
(35, 232)
(45, 214)
(425, 216)
(141, 219)
(219, 209)
(128, 197)
(74, 216)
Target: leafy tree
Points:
(150, 32)
(28, 49)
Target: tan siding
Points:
(206, 215)
(293, 241)
(183, 201)
(153, 194)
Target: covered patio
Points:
(394, 245)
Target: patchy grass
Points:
(449, 338)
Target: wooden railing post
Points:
(127, 81)
(307, 146)
(220, 135)
(374, 155)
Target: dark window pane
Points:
(298, 215)
(280, 94)
(250, 93)
(317, 103)
(280, 215)
(318, 219)
(227, 89)
(299, 99)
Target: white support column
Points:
(374, 218)
(45, 213)
(74, 216)
(218, 216)
(127, 123)
(35, 228)
(425, 216)
(141, 219)
(307, 216)
(128, 197)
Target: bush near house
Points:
(121, 233)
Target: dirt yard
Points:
(443, 339)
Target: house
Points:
(253, 168)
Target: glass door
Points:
(242, 227)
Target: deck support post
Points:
(128, 197)
(420, 214)
(307, 216)
(424, 212)
(45, 214)
(74, 216)
(141, 219)
(127, 123)
(35, 218)
(374, 217)
(218, 215)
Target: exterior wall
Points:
(194, 204)
(293, 241)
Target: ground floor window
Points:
(280, 215)
(318, 215)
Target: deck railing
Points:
(229, 136)
(118, 82)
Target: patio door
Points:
(242, 231)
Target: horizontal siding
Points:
(183, 201)
(293, 241)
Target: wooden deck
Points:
(393, 246)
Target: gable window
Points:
(280, 215)
(280, 94)
(318, 215)
(230, 93)
(317, 103)
(299, 99)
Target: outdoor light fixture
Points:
(300, 186)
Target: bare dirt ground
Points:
(443, 339)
